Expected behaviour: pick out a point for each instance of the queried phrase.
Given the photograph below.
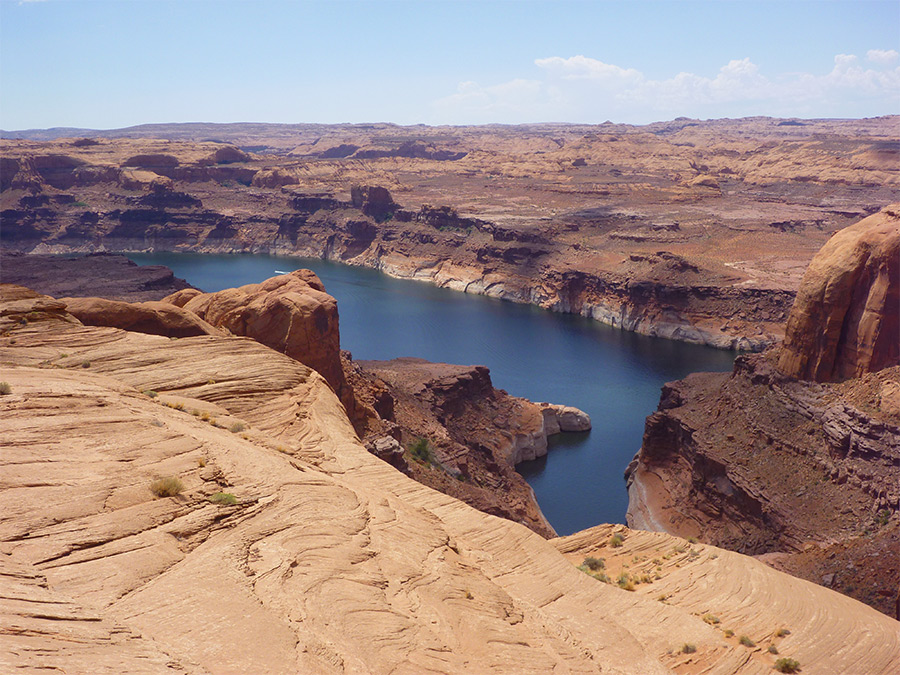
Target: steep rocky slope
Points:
(846, 320)
(804, 473)
(326, 559)
(692, 230)
(466, 436)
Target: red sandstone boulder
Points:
(290, 313)
(846, 318)
(154, 317)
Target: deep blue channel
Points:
(613, 375)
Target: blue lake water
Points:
(613, 375)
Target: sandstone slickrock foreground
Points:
(805, 474)
(692, 230)
(327, 559)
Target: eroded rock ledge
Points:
(802, 472)
(466, 435)
(323, 559)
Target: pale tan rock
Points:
(846, 319)
(290, 313)
(153, 317)
(559, 418)
(331, 561)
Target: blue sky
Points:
(101, 64)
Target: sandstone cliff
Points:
(466, 436)
(694, 230)
(846, 320)
(290, 548)
(804, 473)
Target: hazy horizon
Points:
(106, 64)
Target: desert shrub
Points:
(746, 641)
(781, 632)
(150, 393)
(166, 487)
(729, 632)
(787, 665)
(421, 450)
(711, 619)
(5, 388)
(616, 540)
(85, 364)
(688, 648)
(692, 540)
(237, 427)
(773, 649)
(594, 564)
(625, 582)
(224, 498)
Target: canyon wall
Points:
(690, 230)
(846, 320)
(278, 544)
(768, 461)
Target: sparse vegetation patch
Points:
(787, 666)
(223, 498)
(166, 487)
(5, 388)
(421, 450)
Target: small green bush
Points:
(421, 450)
(787, 665)
(166, 487)
(781, 632)
(85, 364)
(688, 648)
(746, 641)
(5, 388)
(773, 649)
(616, 540)
(237, 427)
(711, 619)
(150, 393)
(594, 564)
(224, 498)
(729, 632)
(624, 581)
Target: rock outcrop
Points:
(290, 313)
(153, 317)
(693, 231)
(462, 435)
(803, 473)
(846, 319)
(290, 548)
(104, 275)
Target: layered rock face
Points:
(104, 275)
(689, 230)
(802, 472)
(155, 318)
(290, 313)
(290, 548)
(466, 435)
(846, 319)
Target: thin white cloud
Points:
(583, 89)
(883, 56)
